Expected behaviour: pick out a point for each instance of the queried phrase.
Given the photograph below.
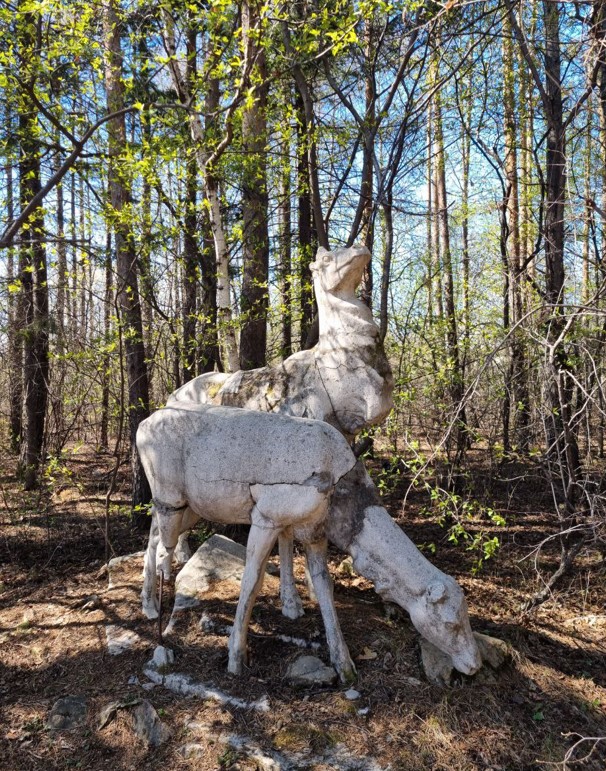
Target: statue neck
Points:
(343, 315)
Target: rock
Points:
(414, 681)
(162, 658)
(310, 670)
(109, 712)
(114, 565)
(346, 568)
(352, 694)
(218, 559)
(192, 751)
(438, 666)
(120, 639)
(494, 652)
(148, 726)
(67, 713)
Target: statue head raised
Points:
(340, 270)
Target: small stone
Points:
(119, 639)
(148, 726)
(133, 680)
(162, 658)
(414, 681)
(352, 694)
(67, 713)
(192, 750)
(311, 671)
(363, 711)
(437, 665)
(148, 686)
(346, 567)
(91, 603)
(115, 565)
(493, 651)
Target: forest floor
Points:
(55, 605)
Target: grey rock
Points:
(494, 652)
(67, 713)
(311, 671)
(162, 658)
(115, 565)
(192, 751)
(352, 694)
(119, 639)
(218, 559)
(148, 726)
(109, 712)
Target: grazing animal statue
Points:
(238, 466)
(358, 524)
(202, 462)
(345, 380)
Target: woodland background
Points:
(167, 172)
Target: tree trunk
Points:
(367, 184)
(192, 258)
(306, 236)
(285, 269)
(127, 288)
(255, 247)
(15, 325)
(516, 386)
(452, 341)
(33, 270)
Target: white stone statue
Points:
(345, 380)
(239, 466)
(281, 475)
(358, 524)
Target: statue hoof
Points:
(347, 673)
(293, 610)
(150, 611)
(235, 664)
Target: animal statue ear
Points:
(436, 592)
(321, 252)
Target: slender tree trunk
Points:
(457, 389)
(15, 328)
(255, 247)
(367, 184)
(127, 288)
(306, 235)
(387, 208)
(191, 252)
(285, 226)
(517, 385)
(206, 162)
(33, 269)
(107, 315)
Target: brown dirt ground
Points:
(525, 716)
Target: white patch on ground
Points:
(337, 758)
(208, 625)
(186, 686)
(120, 639)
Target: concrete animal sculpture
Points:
(344, 380)
(238, 466)
(357, 523)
